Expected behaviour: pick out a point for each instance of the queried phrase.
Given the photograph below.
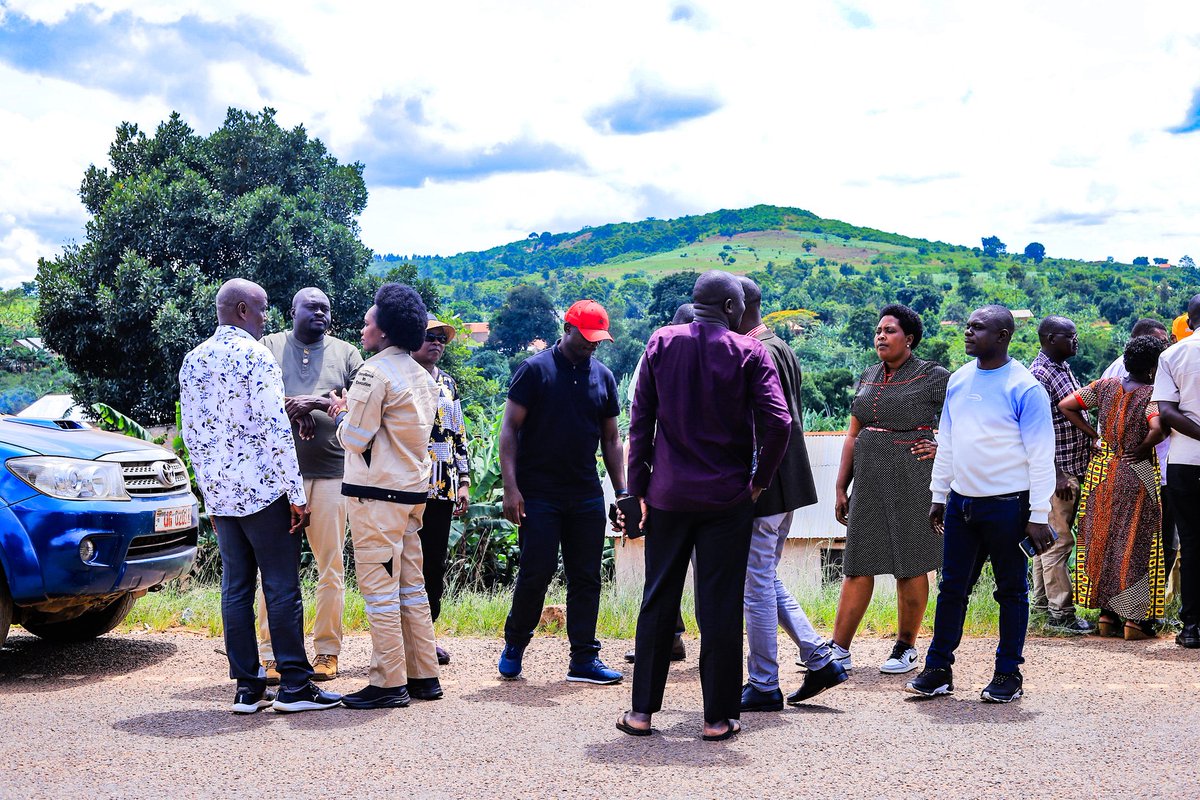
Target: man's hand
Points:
(299, 518)
(514, 505)
(462, 499)
(1039, 534)
(1063, 489)
(301, 405)
(306, 426)
(754, 493)
(937, 517)
(841, 507)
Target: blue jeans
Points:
(978, 528)
(577, 525)
(260, 543)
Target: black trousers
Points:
(435, 541)
(1183, 484)
(260, 543)
(721, 540)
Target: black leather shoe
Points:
(818, 681)
(758, 700)
(425, 689)
(377, 697)
(678, 651)
(1189, 637)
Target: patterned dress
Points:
(447, 442)
(888, 530)
(1118, 557)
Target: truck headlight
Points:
(71, 478)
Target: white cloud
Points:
(951, 121)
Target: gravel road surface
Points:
(145, 715)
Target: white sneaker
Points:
(903, 659)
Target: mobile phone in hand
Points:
(1027, 543)
(631, 507)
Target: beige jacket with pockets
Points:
(390, 410)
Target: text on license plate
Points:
(172, 519)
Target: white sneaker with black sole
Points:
(903, 659)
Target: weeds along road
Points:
(145, 715)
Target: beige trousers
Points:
(387, 559)
(327, 537)
(1051, 579)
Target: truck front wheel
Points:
(87, 625)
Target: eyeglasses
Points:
(437, 337)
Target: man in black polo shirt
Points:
(562, 403)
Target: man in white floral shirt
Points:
(240, 442)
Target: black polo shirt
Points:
(566, 405)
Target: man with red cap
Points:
(562, 404)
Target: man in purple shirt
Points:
(692, 437)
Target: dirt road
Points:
(144, 715)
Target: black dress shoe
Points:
(377, 697)
(1190, 636)
(817, 681)
(758, 700)
(425, 688)
(443, 658)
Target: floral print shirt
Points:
(448, 442)
(234, 425)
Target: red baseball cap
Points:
(591, 319)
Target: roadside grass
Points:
(478, 613)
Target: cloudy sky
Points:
(1074, 123)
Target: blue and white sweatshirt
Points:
(996, 437)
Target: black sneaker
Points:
(307, 698)
(1071, 624)
(249, 701)
(931, 682)
(1190, 636)
(817, 681)
(757, 700)
(425, 689)
(1004, 688)
(377, 697)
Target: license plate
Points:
(172, 519)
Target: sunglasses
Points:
(437, 337)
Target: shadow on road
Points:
(202, 723)
(528, 695)
(963, 711)
(30, 664)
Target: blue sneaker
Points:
(593, 671)
(510, 662)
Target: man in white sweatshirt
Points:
(992, 482)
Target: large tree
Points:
(172, 217)
(525, 315)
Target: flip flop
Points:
(733, 730)
(624, 727)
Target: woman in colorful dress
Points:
(888, 456)
(1118, 557)
(450, 479)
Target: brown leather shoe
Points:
(325, 667)
(272, 673)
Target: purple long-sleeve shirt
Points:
(692, 431)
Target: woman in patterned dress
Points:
(888, 456)
(450, 478)
(1118, 556)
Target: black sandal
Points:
(624, 727)
(733, 730)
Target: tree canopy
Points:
(173, 216)
(527, 314)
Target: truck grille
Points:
(163, 476)
(160, 544)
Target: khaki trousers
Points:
(1052, 587)
(326, 534)
(387, 558)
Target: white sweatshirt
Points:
(996, 437)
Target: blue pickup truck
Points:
(89, 522)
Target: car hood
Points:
(45, 437)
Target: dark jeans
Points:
(435, 541)
(250, 545)
(577, 525)
(978, 528)
(721, 540)
(1183, 484)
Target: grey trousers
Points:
(769, 605)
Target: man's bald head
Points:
(1193, 312)
(1000, 316)
(306, 294)
(751, 291)
(311, 316)
(243, 304)
(718, 299)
